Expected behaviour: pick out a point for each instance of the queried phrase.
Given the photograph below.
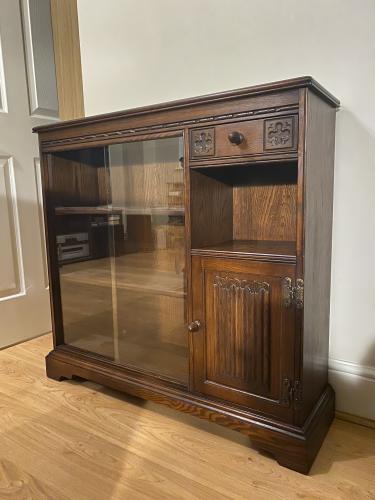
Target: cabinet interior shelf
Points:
(119, 210)
(273, 251)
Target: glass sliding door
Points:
(81, 224)
(148, 264)
(117, 213)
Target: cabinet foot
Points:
(56, 376)
(299, 454)
(59, 371)
(302, 465)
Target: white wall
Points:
(138, 52)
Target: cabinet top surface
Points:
(294, 83)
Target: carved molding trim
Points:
(279, 133)
(229, 283)
(125, 133)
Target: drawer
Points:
(252, 137)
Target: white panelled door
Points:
(27, 99)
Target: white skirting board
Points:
(354, 385)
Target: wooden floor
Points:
(74, 440)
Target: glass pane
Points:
(117, 214)
(146, 184)
(81, 219)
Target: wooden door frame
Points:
(64, 16)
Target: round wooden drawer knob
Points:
(236, 138)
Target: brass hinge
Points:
(285, 392)
(292, 294)
(291, 392)
(297, 394)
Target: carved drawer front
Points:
(252, 137)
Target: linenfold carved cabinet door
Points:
(244, 349)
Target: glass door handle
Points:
(194, 326)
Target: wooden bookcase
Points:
(189, 248)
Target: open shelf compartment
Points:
(245, 211)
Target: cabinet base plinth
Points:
(293, 447)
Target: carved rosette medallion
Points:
(203, 142)
(279, 133)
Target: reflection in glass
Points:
(118, 215)
(78, 205)
(146, 180)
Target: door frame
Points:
(67, 50)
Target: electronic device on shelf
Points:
(72, 246)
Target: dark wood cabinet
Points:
(189, 248)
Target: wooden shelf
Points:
(272, 251)
(102, 210)
(118, 211)
(153, 210)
